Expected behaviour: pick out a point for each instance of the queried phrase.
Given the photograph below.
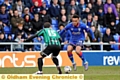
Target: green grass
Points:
(94, 73)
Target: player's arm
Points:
(35, 35)
(68, 36)
(28, 39)
(87, 29)
(66, 28)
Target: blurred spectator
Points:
(91, 1)
(71, 6)
(82, 6)
(55, 10)
(98, 37)
(11, 2)
(35, 8)
(63, 20)
(61, 10)
(67, 2)
(19, 46)
(72, 12)
(2, 40)
(39, 2)
(89, 5)
(108, 37)
(116, 1)
(4, 17)
(28, 27)
(87, 40)
(1, 27)
(89, 20)
(16, 19)
(29, 47)
(62, 13)
(11, 14)
(8, 5)
(95, 21)
(63, 5)
(109, 17)
(28, 3)
(118, 9)
(98, 6)
(44, 17)
(27, 11)
(19, 6)
(48, 2)
(85, 14)
(9, 39)
(44, 7)
(37, 24)
(118, 28)
(113, 8)
(20, 30)
(100, 15)
(112, 28)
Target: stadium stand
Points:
(104, 14)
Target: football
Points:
(67, 69)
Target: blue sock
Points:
(82, 57)
(70, 55)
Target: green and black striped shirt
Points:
(51, 37)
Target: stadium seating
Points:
(7, 30)
(116, 37)
(55, 24)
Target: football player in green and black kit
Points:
(53, 45)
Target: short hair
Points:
(47, 25)
(61, 25)
(19, 34)
(2, 6)
(75, 16)
(18, 0)
(92, 26)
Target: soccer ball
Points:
(67, 69)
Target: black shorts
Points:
(54, 49)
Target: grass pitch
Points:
(94, 73)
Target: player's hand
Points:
(94, 40)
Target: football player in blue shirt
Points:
(77, 29)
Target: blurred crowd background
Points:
(19, 19)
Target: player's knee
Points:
(78, 49)
(54, 57)
(43, 55)
(69, 49)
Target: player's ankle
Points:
(59, 70)
(73, 63)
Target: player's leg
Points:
(69, 52)
(78, 51)
(44, 53)
(70, 55)
(55, 51)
